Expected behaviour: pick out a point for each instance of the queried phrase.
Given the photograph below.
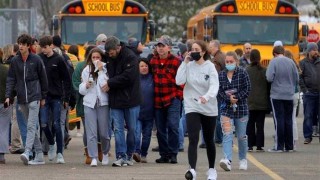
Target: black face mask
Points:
(195, 56)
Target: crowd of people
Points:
(203, 92)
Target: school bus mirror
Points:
(305, 30)
(55, 24)
(208, 22)
(152, 28)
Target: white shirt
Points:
(200, 81)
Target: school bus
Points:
(259, 22)
(80, 21)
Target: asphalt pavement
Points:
(301, 165)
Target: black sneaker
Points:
(173, 160)
(155, 149)
(181, 150)
(260, 149)
(162, 160)
(250, 149)
(203, 146)
(307, 141)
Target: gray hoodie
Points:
(283, 75)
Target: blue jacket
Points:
(147, 92)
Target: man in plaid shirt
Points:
(167, 101)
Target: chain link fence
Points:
(14, 22)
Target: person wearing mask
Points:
(95, 101)
(309, 86)
(257, 102)
(234, 90)
(101, 41)
(283, 75)
(30, 94)
(201, 108)
(146, 114)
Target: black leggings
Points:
(194, 123)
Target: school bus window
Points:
(79, 27)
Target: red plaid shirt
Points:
(164, 75)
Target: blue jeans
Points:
(53, 105)
(241, 127)
(182, 128)
(120, 117)
(144, 127)
(310, 111)
(22, 123)
(167, 121)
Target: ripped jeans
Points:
(240, 127)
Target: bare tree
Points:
(316, 12)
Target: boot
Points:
(88, 159)
(100, 154)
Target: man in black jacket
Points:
(309, 86)
(27, 75)
(59, 93)
(123, 87)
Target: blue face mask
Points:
(231, 67)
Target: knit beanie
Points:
(311, 46)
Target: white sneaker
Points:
(52, 152)
(243, 165)
(60, 159)
(25, 157)
(105, 160)
(94, 162)
(225, 164)
(190, 174)
(212, 174)
(79, 134)
(38, 160)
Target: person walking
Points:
(200, 104)
(146, 114)
(257, 102)
(168, 97)
(96, 110)
(233, 91)
(59, 93)
(123, 87)
(27, 76)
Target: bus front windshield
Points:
(79, 30)
(257, 30)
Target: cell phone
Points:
(6, 105)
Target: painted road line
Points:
(262, 167)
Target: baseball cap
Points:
(101, 38)
(165, 40)
(277, 43)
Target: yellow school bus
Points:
(259, 22)
(81, 21)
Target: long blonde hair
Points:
(7, 52)
(289, 55)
